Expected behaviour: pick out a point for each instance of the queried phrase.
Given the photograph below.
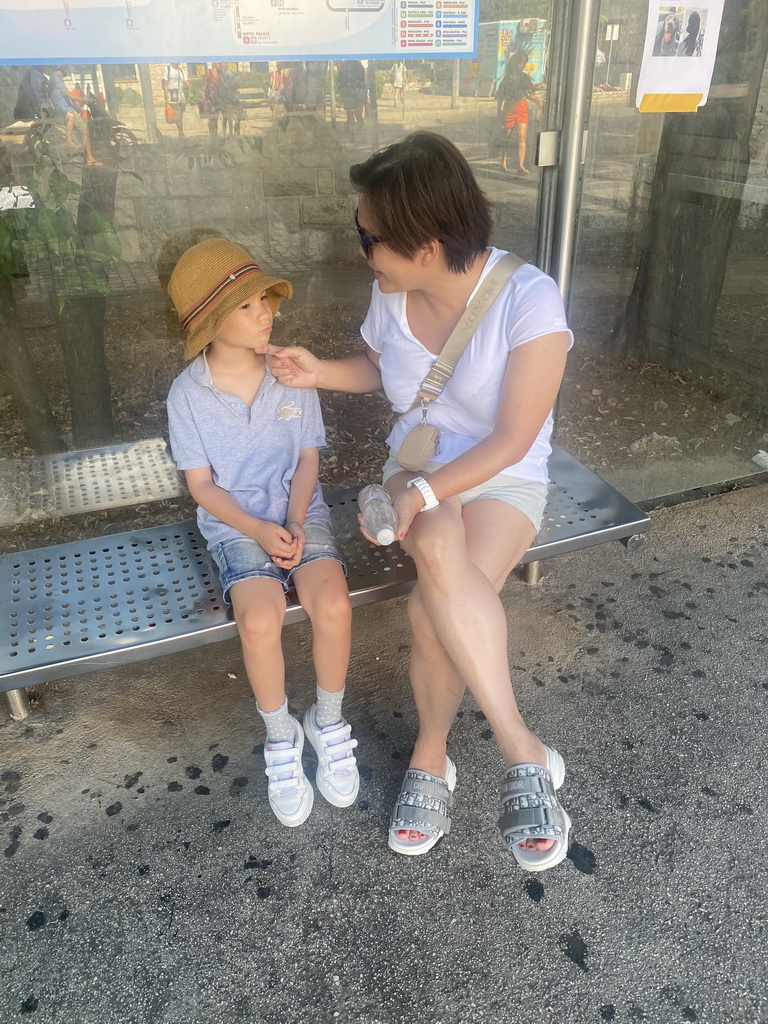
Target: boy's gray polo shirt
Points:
(252, 452)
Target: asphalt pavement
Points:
(144, 879)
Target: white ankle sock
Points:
(279, 724)
(329, 707)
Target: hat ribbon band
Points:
(219, 290)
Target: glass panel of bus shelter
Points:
(95, 214)
(666, 387)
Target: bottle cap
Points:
(385, 535)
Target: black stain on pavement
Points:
(12, 781)
(114, 809)
(607, 1011)
(131, 780)
(15, 836)
(29, 1005)
(219, 762)
(193, 772)
(262, 891)
(202, 790)
(42, 833)
(582, 859)
(174, 787)
(36, 920)
(534, 889)
(219, 826)
(45, 818)
(575, 948)
(253, 863)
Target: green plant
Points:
(128, 97)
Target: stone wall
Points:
(286, 191)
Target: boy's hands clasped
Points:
(283, 544)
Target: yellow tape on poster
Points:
(668, 103)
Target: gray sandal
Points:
(422, 806)
(531, 810)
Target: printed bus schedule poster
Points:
(152, 31)
(679, 56)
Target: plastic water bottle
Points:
(379, 517)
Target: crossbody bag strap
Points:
(443, 367)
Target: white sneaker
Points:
(290, 794)
(337, 777)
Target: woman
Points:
(467, 517)
(515, 90)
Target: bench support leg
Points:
(532, 573)
(18, 704)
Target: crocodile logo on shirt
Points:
(286, 411)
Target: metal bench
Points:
(70, 609)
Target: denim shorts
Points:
(528, 496)
(241, 558)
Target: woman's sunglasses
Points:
(367, 242)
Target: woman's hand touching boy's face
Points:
(294, 366)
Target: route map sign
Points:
(116, 31)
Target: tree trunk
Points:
(19, 370)
(698, 184)
(81, 321)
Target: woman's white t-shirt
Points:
(527, 307)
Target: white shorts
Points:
(529, 496)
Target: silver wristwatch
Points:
(430, 501)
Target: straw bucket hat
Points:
(210, 281)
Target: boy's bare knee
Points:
(260, 622)
(331, 607)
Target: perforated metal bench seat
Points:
(74, 608)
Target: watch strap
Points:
(430, 501)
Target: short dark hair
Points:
(421, 189)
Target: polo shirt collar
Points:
(200, 372)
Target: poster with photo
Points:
(669, 80)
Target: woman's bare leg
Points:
(522, 137)
(460, 632)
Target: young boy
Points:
(248, 446)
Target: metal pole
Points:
(578, 90)
(552, 120)
(18, 704)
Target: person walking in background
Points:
(398, 75)
(232, 114)
(214, 95)
(81, 101)
(515, 90)
(174, 85)
(351, 87)
(248, 447)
